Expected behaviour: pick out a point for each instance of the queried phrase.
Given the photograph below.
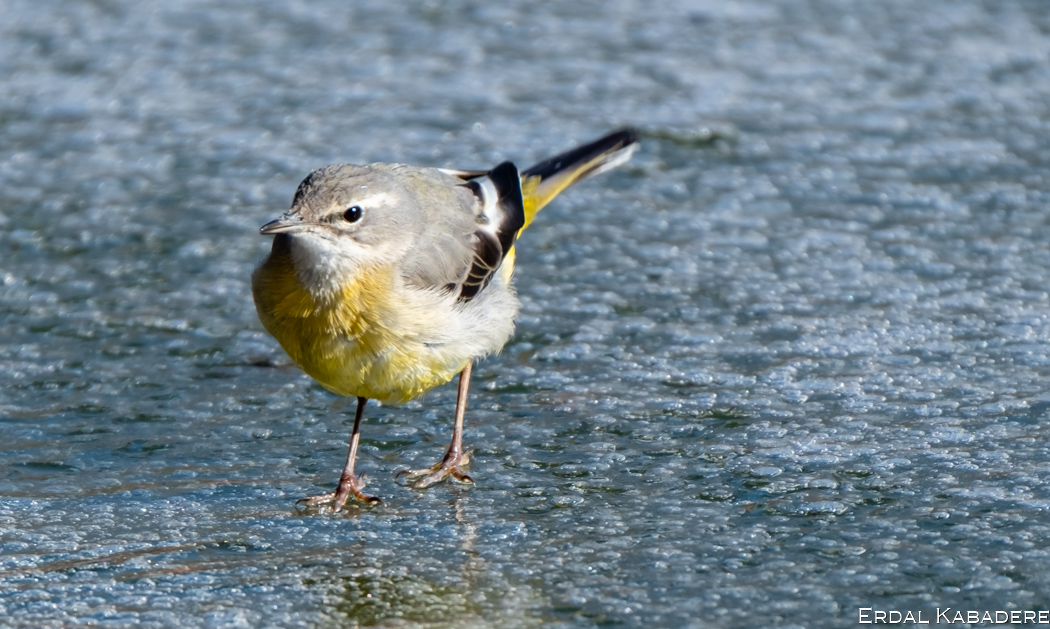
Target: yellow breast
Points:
(353, 344)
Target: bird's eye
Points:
(353, 214)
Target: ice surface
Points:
(790, 362)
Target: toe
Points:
(416, 473)
(365, 498)
(310, 501)
(436, 477)
(461, 477)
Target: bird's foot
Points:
(349, 485)
(451, 466)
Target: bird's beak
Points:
(283, 225)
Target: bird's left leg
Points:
(455, 458)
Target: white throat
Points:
(323, 266)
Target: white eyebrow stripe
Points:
(374, 199)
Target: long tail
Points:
(544, 181)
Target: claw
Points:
(348, 486)
(451, 466)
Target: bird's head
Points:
(344, 220)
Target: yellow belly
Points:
(351, 344)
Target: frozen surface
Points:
(790, 362)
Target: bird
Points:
(384, 281)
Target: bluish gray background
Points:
(792, 361)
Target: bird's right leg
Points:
(349, 483)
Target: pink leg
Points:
(349, 483)
(455, 458)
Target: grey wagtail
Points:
(387, 280)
